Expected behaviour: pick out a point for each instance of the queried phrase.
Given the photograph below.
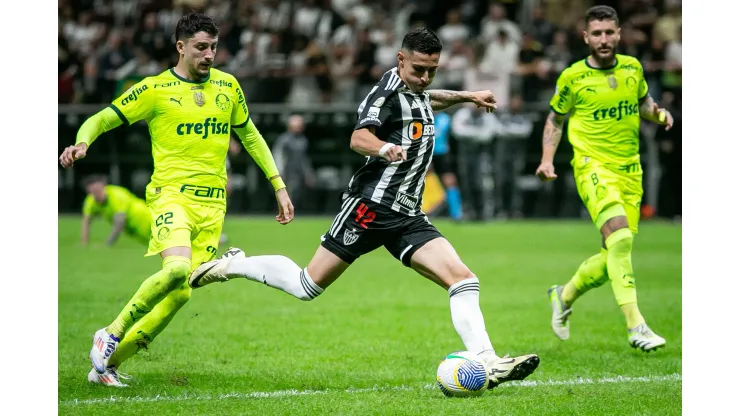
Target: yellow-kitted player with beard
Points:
(190, 110)
(606, 96)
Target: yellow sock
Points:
(619, 266)
(175, 270)
(590, 274)
(632, 315)
(144, 331)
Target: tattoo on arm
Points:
(442, 99)
(553, 130)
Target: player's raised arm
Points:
(442, 99)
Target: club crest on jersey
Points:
(612, 82)
(350, 236)
(223, 102)
(199, 98)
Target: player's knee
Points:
(620, 240)
(456, 272)
(177, 270)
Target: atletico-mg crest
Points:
(350, 236)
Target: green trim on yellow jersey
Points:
(120, 114)
(190, 81)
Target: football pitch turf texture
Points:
(371, 343)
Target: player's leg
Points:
(204, 248)
(421, 247)
(596, 189)
(341, 245)
(618, 232)
(171, 230)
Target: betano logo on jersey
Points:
(623, 109)
(209, 126)
(416, 130)
(133, 95)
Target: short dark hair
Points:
(422, 40)
(601, 13)
(192, 23)
(94, 178)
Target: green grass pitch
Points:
(371, 343)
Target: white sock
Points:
(276, 271)
(468, 319)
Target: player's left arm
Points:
(649, 109)
(119, 224)
(441, 99)
(257, 148)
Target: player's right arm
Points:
(376, 111)
(560, 105)
(133, 105)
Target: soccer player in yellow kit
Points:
(606, 96)
(191, 110)
(118, 206)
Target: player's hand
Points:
(483, 99)
(546, 172)
(395, 154)
(71, 154)
(667, 122)
(285, 207)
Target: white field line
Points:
(290, 393)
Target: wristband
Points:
(277, 182)
(384, 149)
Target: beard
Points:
(603, 57)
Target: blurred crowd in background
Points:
(302, 52)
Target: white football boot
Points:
(214, 270)
(104, 344)
(560, 314)
(501, 370)
(645, 339)
(111, 377)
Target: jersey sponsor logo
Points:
(630, 67)
(208, 127)
(379, 102)
(417, 130)
(133, 95)
(373, 112)
(223, 102)
(241, 99)
(221, 83)
(167, 84)
(617, 112)
(563, 94)
(203, 191)
(406, 200)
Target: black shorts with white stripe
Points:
(363, 226)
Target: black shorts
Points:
(442, 164)
(363, 226)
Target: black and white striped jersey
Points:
(403, 118)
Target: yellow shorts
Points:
(609, 191)
(178, 222)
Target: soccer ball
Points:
(462, 374)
